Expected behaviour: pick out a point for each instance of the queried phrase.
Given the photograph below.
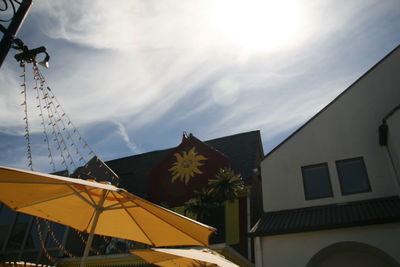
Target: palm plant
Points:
(226, 185)
(200, 204)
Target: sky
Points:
(134, 75)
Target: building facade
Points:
(21, 236)
(243, 151)
(331, 189)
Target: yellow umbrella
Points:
(98, 208)
(190, 257)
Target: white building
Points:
(331, 189)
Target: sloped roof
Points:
(366, 212)
(241, 149)
(332, 102)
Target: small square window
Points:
(316, 180)
(353, 176)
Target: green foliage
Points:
(224, 187)
(200, 204)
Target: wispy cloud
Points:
(147, 70)
(124, 134)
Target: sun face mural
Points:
(186, 165)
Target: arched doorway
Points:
(352, 254)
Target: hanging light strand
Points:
(64, 114)
(74, 136)
(54, 119)
(57, 242)
(58, 138)
(52, 161)
(59, 118)
(29, 155)
(62, 135)
(25, 105)
(44, 123)
(40, 234)
(84, 241)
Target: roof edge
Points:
(254, 232)
(170, 148)
(326, 227)
(242, 133)
(333, 101)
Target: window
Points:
(316, 180)
(353, 176)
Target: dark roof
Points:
(366, 212)
(333, 101)
(241, 149)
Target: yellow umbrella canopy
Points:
(98, 208)
(190, 257)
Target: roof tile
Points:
(365, 212)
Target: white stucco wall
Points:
(296, 250)
(393, 146)
(347, 128)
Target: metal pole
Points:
(99, 210)
(13, 28)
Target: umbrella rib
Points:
(130, 215)
(170, 223)
(111, 207)
(41, 201)
(77, 193)
(74, 192)
(118, 208)
(97, 207)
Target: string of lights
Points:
(43, 123)
(41, 96)
(53, 116)
(76, 136)
(42, 243)
(49, 120)
(29, 154)
(58, 116)
(62, 138)
(62, 147)
(25, 105)
(55, 131)
(58, 109)
(58, 243)
(62, 118)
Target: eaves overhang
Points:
(340, 215)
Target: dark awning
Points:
(358, 213)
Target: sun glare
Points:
(259, 25)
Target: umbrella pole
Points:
(99, 210)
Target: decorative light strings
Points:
(64, 132)
(64, 145)
(42, 244)
(53, 124)
(29, 156)
(55, 239)
(25, 104)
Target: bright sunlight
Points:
(259, 25)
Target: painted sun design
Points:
(186, 165)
